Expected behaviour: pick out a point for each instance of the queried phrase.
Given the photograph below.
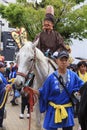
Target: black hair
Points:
(73, 67)
(81, 63)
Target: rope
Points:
(32, 101)
(32, 97)
(6, 94)
(4, 100)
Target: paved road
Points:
(12, 122)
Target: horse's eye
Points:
(31, 59)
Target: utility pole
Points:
(1, 46)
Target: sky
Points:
(81, 4)
(79, 49)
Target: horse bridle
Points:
(31, 68)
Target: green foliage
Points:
(21, 1)
(2, 8)
(78, 1)
(75, 23)
(68, 21)
(33, 22)
(13, 14)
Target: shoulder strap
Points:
(71, 96)
(60, 79)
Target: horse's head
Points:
(25, 60)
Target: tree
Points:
(71, 23)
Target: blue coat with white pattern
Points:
(50, 91)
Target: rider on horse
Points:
(49, 38)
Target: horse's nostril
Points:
(21, 83)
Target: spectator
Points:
(3, 87)
(24, 104)
(12, 75)
(82, 70)
(8, 69)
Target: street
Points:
(12, 122)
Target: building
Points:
(7, 44)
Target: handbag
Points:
(72, 97)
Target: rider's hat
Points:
(49, 13)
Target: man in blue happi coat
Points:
(53, 98)
(4, 86)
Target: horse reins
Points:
(32, 97)
(21, 74)
(31, 68)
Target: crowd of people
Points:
(7, 77)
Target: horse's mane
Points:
(39, 54)
(29, 45)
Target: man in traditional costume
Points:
(53, 98)
(49, 38)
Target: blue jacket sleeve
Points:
(44, 92)
(78, 83)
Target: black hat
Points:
(49, 17)
(2, 64)
(61, 54)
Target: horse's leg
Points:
(39, 118)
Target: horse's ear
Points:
(35, 43)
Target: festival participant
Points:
(49, 39)
(82, 70)
(24, 104)
(8, 69)
(53, 98)
(4, 86)
(12, 75)
(82, 73)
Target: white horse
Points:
(30, 58)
